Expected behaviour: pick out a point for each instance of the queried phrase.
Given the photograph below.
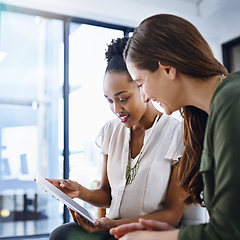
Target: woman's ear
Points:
(169, 70)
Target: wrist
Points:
(80, 191)
(115, 223)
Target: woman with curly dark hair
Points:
(141, 149)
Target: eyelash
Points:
(121, 100)
(110, 101)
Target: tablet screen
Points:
(62, 197)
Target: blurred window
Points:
(32, 135)
(30, 94)
(231, 55)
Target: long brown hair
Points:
(176, 42)
(190, 178)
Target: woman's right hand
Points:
(69, 187)
(85, 224)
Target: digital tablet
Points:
(62, 197)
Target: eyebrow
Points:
(119, 93)
(116, 94)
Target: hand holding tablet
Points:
(61, 196)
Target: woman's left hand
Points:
(102, 224)
(143, 224)
(106, 223)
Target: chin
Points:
(167, 111)
(127, 125)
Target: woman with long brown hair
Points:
(174, 65)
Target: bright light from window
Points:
(2, 56)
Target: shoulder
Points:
(169, 126)
(170, 121)
(112, 125)
(225, 105)
(227, 92)
(173, 134)
(108, 132)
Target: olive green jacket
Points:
(220, 166)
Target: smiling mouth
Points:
(124, 118)
(154, 100)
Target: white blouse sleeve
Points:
(103, 138)
(176, 147)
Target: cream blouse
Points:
(147, 193)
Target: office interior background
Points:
(51, 102)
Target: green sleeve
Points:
(225, 201)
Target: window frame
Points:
(226, 52)
(66, 33)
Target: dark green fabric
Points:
(220, 166)
(71, 231)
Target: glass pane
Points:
(234, 56)
(30, 109)
(88, 109)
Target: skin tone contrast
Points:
(127, 102)
(172, 90)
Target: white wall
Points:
(126, 12)
(217, 20)
(222, 26)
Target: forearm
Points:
(100, 197)
(96, 197)
(165, 215)
(152, 235)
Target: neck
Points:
(199, 92)
(147, 119)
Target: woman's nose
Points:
(117, 108)
(145, 99)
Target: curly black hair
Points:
(114, 56)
